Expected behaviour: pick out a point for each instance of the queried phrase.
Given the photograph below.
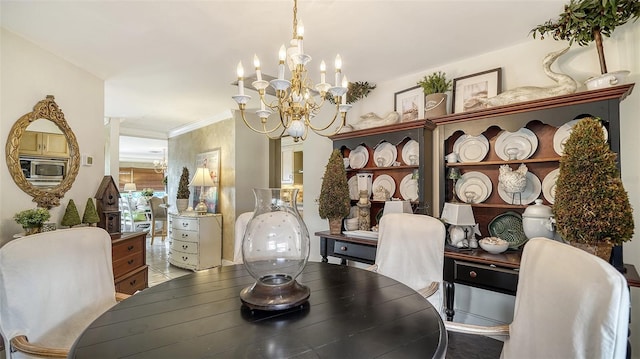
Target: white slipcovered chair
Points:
(241, 226)
(411, 251)
(52, 286)
(569, 304)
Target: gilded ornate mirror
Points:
(42, 153)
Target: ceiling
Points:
(171, 63)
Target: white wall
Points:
(29, 74)
(521, 66)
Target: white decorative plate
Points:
(409, 188)
(549, 185)
(562, 135)
(385, 154)
(411, 149)
(385, 181)
(353, 188)
(474, 182)
(359, 157)
(531, 191)
(471, 148)
(523, 140)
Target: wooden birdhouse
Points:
(108, 206)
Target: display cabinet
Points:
(415, 164)
(544, 119)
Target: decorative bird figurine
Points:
(513, 181)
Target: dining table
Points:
(351, 313)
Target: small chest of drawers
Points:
(129, 256)
(195, 241)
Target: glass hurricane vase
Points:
(275, 249)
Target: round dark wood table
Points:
(352, 313)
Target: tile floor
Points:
(157, 259)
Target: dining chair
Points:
(569, 304)
(52, 286)
(133, 217)
(158, 214)
(411, 251)
(241, 225)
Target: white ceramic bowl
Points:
(351, 224)
(494, 245)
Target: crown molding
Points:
(200, 124)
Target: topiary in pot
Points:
(585, 21)
(591, 206)
(434, 87)
(182, 197)
(335, 202)
(90, 215)
(71, 216)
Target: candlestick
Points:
(282, 55)
(256, 63)
(338, 65)
(323, 72)
(240, 71)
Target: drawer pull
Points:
(185, 258)
(184, 235)
(185, 224)
(130, 248)
(343, 248)
(130, 261)
(133, 282)
(473, 274)
(184, 246)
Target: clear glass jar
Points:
(275, 249)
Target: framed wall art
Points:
(210, 160)
(409, 104)
(469, 90)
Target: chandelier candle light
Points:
(296, 101)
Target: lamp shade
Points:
(202, 178)
(397, 207)
(130, 186)
(460, 214)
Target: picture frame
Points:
(409, 103)
(210, 160)
(483, 84)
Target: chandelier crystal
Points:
(297, 101)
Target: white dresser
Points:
(195, 241)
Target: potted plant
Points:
(182, 197)
(586, 21)
(591, 208)
(334, 202)
(90, 215)
(32, 219)
(355, 91)
(435, 87)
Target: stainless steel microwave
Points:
(44, 172)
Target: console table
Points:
(475, 268)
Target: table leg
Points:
(449, 295)
(323, 249)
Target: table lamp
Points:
(461, 221)
(202, 178)
(396, 207)
(130, 187)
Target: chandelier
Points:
(161, 166)
(296, 101)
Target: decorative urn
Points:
(537, 221)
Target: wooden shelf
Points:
(493, 163)
(373, 169)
